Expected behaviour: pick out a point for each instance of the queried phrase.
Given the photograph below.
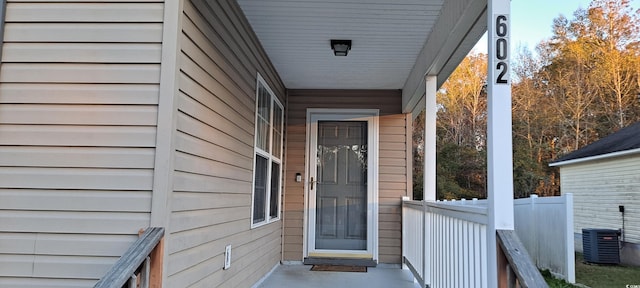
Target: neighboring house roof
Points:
(625, 141)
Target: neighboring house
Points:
(602, 177)
(189, 115)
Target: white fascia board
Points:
(597, 157)
(458, 29)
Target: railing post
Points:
(426, 246)
(157, 260)
(123, 271)
(405, 240)
(499, 127)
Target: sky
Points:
(531, 20)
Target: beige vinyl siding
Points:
(392, 163)
(79, 87)
(599, 187)
(213, 158)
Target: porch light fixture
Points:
(341, 47)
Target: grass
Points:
(598, 276)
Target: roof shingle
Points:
(627, 138)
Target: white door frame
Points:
(313, 116)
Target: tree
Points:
(533, 137)
(614, 29)
(461, 130)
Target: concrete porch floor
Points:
(301, 276)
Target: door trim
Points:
(371, 116)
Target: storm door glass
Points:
(341, 195)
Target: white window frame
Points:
(271, 158)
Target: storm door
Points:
(341, 201)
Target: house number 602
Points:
(502, 48)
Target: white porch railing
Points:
(445, 245)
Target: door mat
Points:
(339, 268)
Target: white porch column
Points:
(499, 143)
(429, 171)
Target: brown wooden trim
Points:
(157, 260)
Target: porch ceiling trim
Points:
(459, 27)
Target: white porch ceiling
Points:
(388, 37)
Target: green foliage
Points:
(460, 172)
(555, 282)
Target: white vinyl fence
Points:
(545, 227)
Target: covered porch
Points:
(397, 56)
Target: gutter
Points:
(597, 157)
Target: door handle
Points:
(311, 182)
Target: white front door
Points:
(341, 185)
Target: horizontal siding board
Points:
(24, 282)
(58, 135)
(61, 93)
(202, 166)
(83, 32)
(204, 114)
(392, 177)
(84, 12)
(73, 222)
(226, 108)
(125, 115)
(188, 182)
(207, 132)
(81, 52)
(16, 265)
(72, 266)
(395, 170)
(187, 201)
(80, 73)
(92, 157)
(65, 244)
(75, 178)
(187, 220)
(75, 200)
(193, 145)
(391, 162)
(196, 237)
(212, 77)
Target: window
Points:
(268, 156)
